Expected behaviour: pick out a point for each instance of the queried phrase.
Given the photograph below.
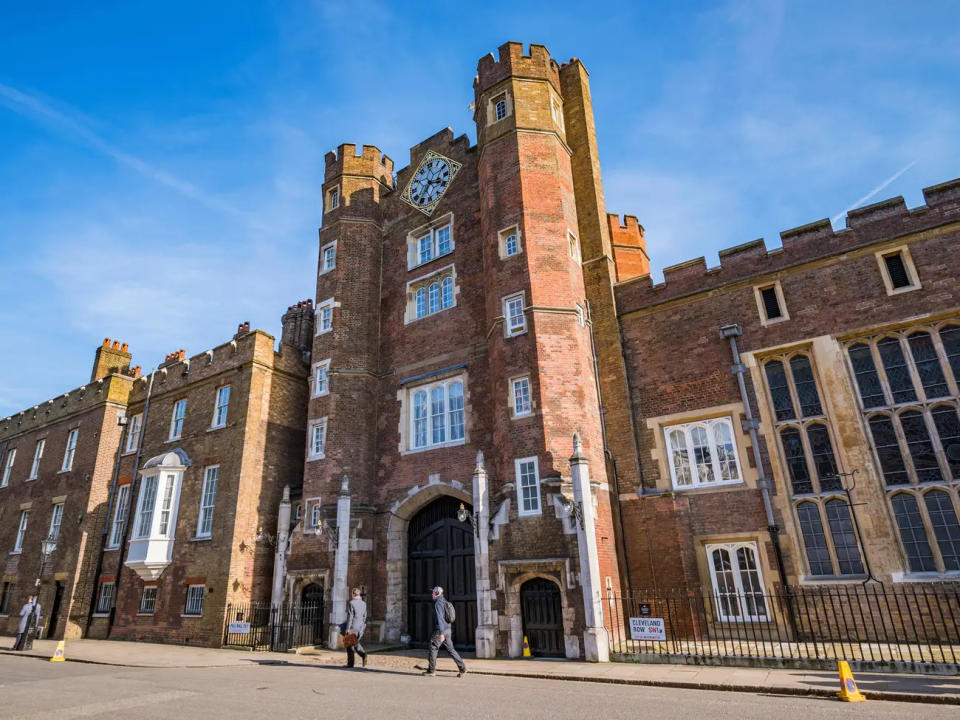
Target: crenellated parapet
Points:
(114, 388)
(535, 64)
(873, 224)
(629, 246)
(370, 162)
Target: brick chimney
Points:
(298, 325)
(111, 357)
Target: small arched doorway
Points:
(542, 617)
(440, 552)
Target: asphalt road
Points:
(31, 688)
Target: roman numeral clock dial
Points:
(430, 182)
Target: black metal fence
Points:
(904, 627)
(262, 626)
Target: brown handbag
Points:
(350, 639)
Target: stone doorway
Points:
(542, 617)
(440, 552)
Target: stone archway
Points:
(417, 498)
(512, 578)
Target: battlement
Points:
(441, 141)
(370, 162)
(537, 63)
(626, 231)
(873, 224)
(112, 388)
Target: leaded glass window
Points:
(844, 537)
(868, 381)
(928, 365)
(912, 534)
(822, 452)
(888, 450)
(814, 541)
(898, 374)
(779, 390)
(796, 461)
(921, 448)
(943, 520)
(948, 428)
(806, 386)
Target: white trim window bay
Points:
(702, 453)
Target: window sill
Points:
(196, 617)
(216, 427)
(128, 452)
(320, 395)
(707, 486)
(324, 272)
(832, 579)
(531, 513)
(907, 577)
(324, 332)
(311, 458)
(902, 290)
(30, 479)
(439, 446)
(514, 334)
(101, 615)
(768, 323)
(201, 538)
(173, 439)
(2, 615)
(64, 470)
(410, 268)
(16, 552)
(144, 615)
(110, 549)
(521, 416)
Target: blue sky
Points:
(160, 163)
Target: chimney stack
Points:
(111, 357)
(298, 325)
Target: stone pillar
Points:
(486, 635)
(340, 591)
(283, 547)
(596, 646)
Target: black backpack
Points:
(449, 612)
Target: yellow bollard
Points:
(848, 686)
(526, 647)
(58, 653)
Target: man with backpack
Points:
(445, 616)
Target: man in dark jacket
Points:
(29, 622)
(356, 622)
(442, 635)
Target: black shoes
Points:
(364, 661)
(462, 671)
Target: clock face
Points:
(430, 181)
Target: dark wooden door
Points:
(310, 630)
(440, 552)
(55, 610)
(542, 617)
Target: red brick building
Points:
(490, 394)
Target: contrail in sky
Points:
(39, 111)
(873, 192)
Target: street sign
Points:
(647, 628)
(239, 628)
(645, 609)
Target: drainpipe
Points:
(134, 487)
(732, 332)
(609, 455)
(111, 497)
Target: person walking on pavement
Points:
(355, 623)
(444, 617)
(29, 621)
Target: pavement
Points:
(914, 688)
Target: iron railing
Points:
(262, 626)
(907, 627)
